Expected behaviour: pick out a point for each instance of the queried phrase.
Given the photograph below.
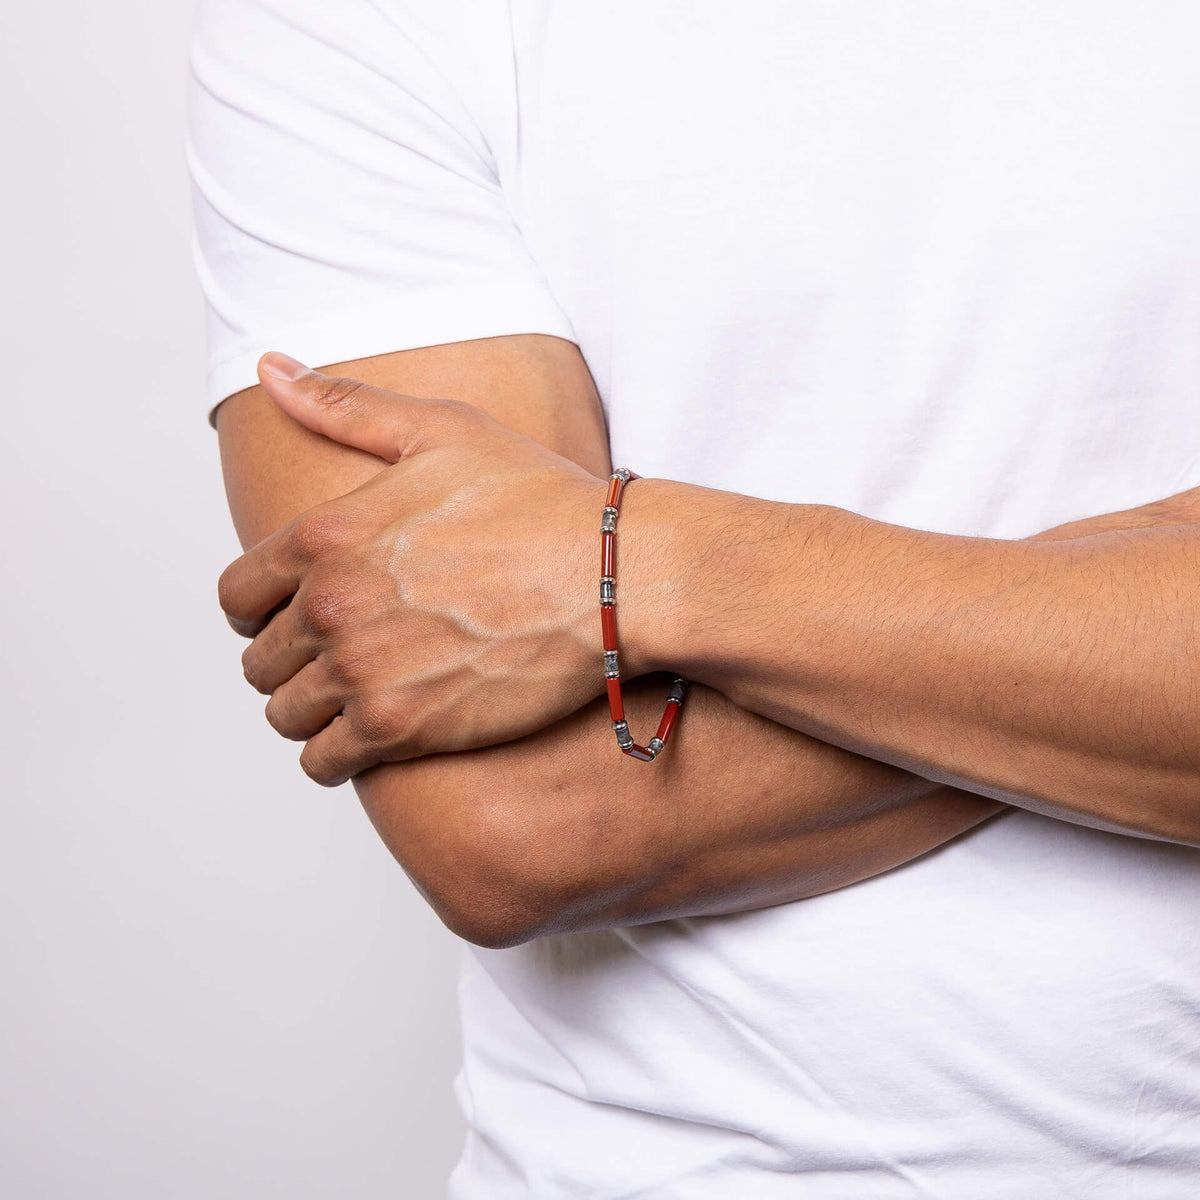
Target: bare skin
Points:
(556, 830)
(1055, 674)
(1058, 675)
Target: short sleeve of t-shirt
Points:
(347, 202)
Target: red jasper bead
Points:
(668, 719)
(615, 704)
(608, 624)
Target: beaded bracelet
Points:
(608, 622)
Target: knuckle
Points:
(319, 532)
(377, 722)
(452, 409)
(325, 607)
(449, 415)
(336, 391)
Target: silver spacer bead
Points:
(621, 473)
(611, 670)
(654, 745)
(607, 595)
(608, 520)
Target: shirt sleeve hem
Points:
(455, 315)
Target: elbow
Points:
(501, 857)
(494, 913)
(497, 879)
(491, 930)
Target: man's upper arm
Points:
(536, 384)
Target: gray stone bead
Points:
(624, 737)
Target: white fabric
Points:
(935, 262)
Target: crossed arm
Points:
(556, 830)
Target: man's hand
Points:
(387, 622)
(445, 604)
(557, 830)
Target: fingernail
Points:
(283, 366)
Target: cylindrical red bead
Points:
(615, 704)
(614, 491)
(641, 753)
(668, 719)
(608, 623)
(608, 543)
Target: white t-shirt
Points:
(935, 262)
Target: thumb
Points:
(383, 423)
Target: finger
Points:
(337, 753)
(383, 423)
(304, 705)
(252, 587)
(280, 649)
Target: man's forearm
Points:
(546, 832)
(744, 814)
(1057, 675)
(559, 832)
(736, 775)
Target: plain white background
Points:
(216, 983)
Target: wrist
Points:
(692, 565)
(647, 559)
